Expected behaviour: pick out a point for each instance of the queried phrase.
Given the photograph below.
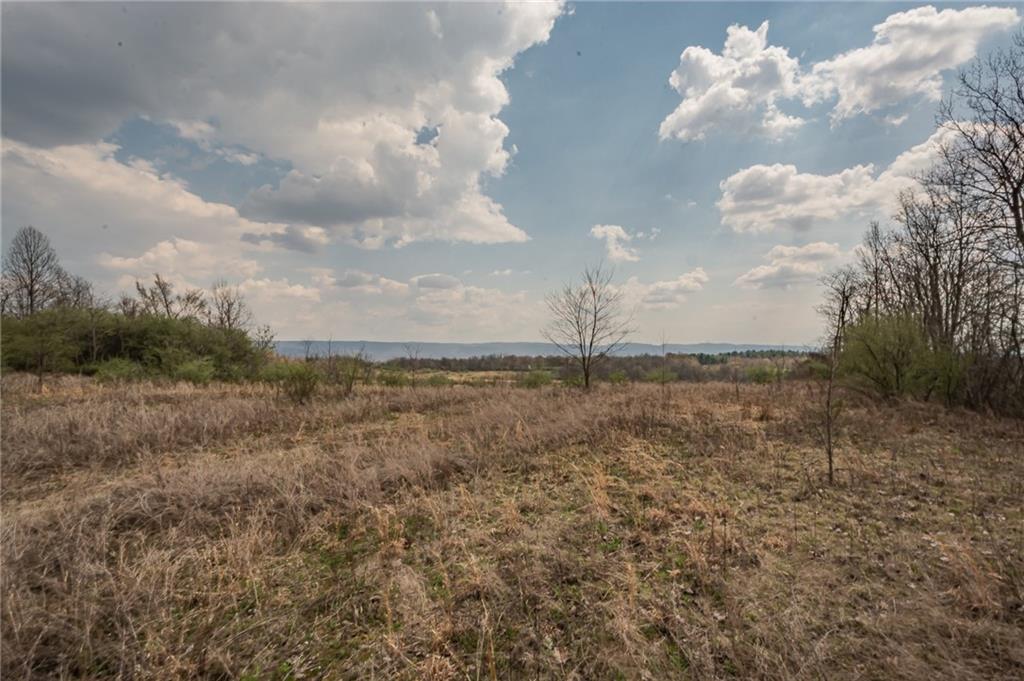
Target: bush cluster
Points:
(115, 346)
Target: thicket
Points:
(54, 322)
(934, 305)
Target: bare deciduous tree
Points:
(161, 300)
(588, 320)
(227, 307)
(840, 289)
(77, 292)
(31, 273)
(985, 156)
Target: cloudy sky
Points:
(428, 172)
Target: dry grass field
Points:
(635, 532)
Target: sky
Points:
(429, 172)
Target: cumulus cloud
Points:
(910, 51)
(262, 289)
(615, 239)
(428, 305)
(763, 198)
(790, 266)
(739, 90)
(138, 219)
(436, 281)
(316, 91)
(357, 281)
(293, 237)
(736, 90)
(666, 293)
(182, 260)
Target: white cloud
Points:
(436, 281)
(338, 90)
(133, 199)
(138, 220)
(909, 53)
(199, 132)
(262, 289)
(182, 260)
(736, 90)
(358, 281)
(663, 294)
(790, 266)
(615, 240)
(434, 306)
(292, 237)
(477, 311)
(763, 198)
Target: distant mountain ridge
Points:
(382, 351)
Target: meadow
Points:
(161, 530)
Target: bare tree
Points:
(31, 272)
(77, 292)
(840, 288)
(986, 154)
(227, 307)
(412, 351)
(588, 320)
(8, 295)
(160, 300)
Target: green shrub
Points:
(574, 380)
(76, 340)
(762, 375)
(118, 370)
(660, 376)
(618, 377)
(393, 378)
(535, 379)
(438, 380)
(42, 343)
(889, 355)
(196, 371)
(297, 381)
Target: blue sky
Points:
(428, 172)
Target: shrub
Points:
(888, 354)
(118, 370)
(40, 343)
(659, 376)
(196, 371)
(574, 380)
(393, 378)
(535, 379)
(343, 371)
(762, 375)
(438, 380)
(618, 377)
(72, 340)
(298, 381)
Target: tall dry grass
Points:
(504, 533)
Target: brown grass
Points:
(491, 533)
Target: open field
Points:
(636, 531)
